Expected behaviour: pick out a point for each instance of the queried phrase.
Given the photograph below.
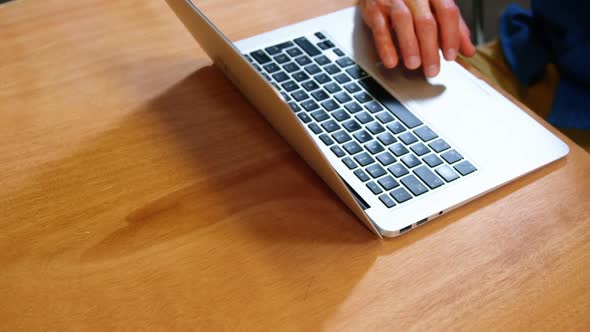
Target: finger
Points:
(447, 15)
(381, 28)
(403, 25)
(427, 34)
(466, 46)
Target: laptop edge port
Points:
(405, 229)
(421, 221)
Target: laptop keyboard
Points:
(374, 135)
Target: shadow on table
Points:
(257, 232)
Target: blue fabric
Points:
(553, 32)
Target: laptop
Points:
(398, 148)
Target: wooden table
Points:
(139, 190)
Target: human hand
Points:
(420, 27)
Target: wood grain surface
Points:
(140, 191)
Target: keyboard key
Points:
(401, 195)
(351, 125)
(349, 163)
(320, 116)
(291, 67)
(340, 115)
(374, 147)
(330, 105)
(352, 148)
(419, 149)
(362, 175)
(352, 87)
(315, 128)
(281, 58)
(408, 138)
(374, 107)
(286, 97)
(386, 138)
(310, 85)
(363, 97)
(363, 136)
(278, 48)
(364, 117)
(342, 78)
(280, 76)
(386, 159)
(428, 177)
(387, 201)
(271, 68)
(414, 185)
(304, 117)
(320, 35)
(295, 107)
(326, 44)
(398, 170)
(312, 69)
(294, 52)
(376, 171)
(345, 62)
(326, 139)
(374, 188)
(341, 136)
(396, 127)
(465, 168)
(452, 156)
(307, 47)
(398, 149)
(338, 52)
(356, 72)
(332, 87)
(388, 182)
(425, 133)
(439, 145)
(375, 128)
(337, 151)
(364, 159)
(320, 95)
(332, 69)
(322, 60)
(410, 160)
(330, 126)
(249, 58)
(310, 105)
(260, 57)
(303, 60)
(290, 86)
(299, 95)
(447, 173)
(300, 76)
(392, 104)
(342, 97)
(385, 117)
(353, 107)
(272, 50)
(432, 160)
(322, 78)
(266, 77)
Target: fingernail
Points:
(431, 71)
(451, 54)
(413, 62)
(388, 62)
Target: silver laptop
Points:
(399, 149)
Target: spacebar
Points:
(392, 104)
